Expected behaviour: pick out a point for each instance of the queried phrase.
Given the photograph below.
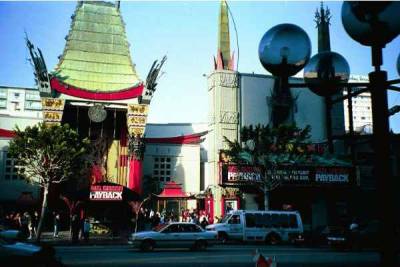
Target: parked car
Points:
(12, 235)
(24, 254)
(366, 236)
(178, 235)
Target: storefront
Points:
(320, 193)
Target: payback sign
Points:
(106, 192)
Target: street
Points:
(220, 255)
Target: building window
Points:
(3, 103)
(3, 94)
(162, 172)
(33, 105)
(11, 172)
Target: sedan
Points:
(177, 235)
(24, 254)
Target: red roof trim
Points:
(184, 139)
(7, 133)
(128, 93)
(172, 190)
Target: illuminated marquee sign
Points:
(288, 175)
(106, 192)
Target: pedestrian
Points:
(204, 222)
(155, 220)
(25, 222)
(56, 223)
(35, 222)
(86, 230)
(75, 226)
(353, 233)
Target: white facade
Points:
(181, 163)
(362, 109)
(18, 107)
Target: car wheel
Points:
(147, 245)
(273, 239)
(223, 237)
(200, 245)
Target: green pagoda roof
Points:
(96, 56)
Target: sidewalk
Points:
(64, 239)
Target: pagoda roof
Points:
(173, 190)
(96, 58)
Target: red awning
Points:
(183, 139)
(172, 190)
(127, 93)
(7, 133)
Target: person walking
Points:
(86, 230)
(25, 222)
(56, 223)
(75, 226)
(35, 222)
(204, 222)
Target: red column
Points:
(209, 205)
(135, 175)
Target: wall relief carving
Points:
(229, 117)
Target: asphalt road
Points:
(220, 255)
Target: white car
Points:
(24, 254)
(177, 235)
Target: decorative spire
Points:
(322, 19)
(224, 59)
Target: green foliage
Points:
(49, 154)
(265, 146)
(286, 144)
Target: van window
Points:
(293, 221)
(235, 219)
(275, 220)
(259, 220)
(266, 220)
(284, 220)
(250, 220)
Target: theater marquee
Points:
(106, 192)
(231, 174)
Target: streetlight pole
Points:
(372, 24)
(382, 172)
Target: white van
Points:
(272, 227)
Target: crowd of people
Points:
(148, 218)
(25, 222)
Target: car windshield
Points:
(226, 218)
(159, 227)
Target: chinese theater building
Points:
(96, 90)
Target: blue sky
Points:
(187, 33)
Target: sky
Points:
(185, 31)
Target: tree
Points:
(48, 155)
(267, 148)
